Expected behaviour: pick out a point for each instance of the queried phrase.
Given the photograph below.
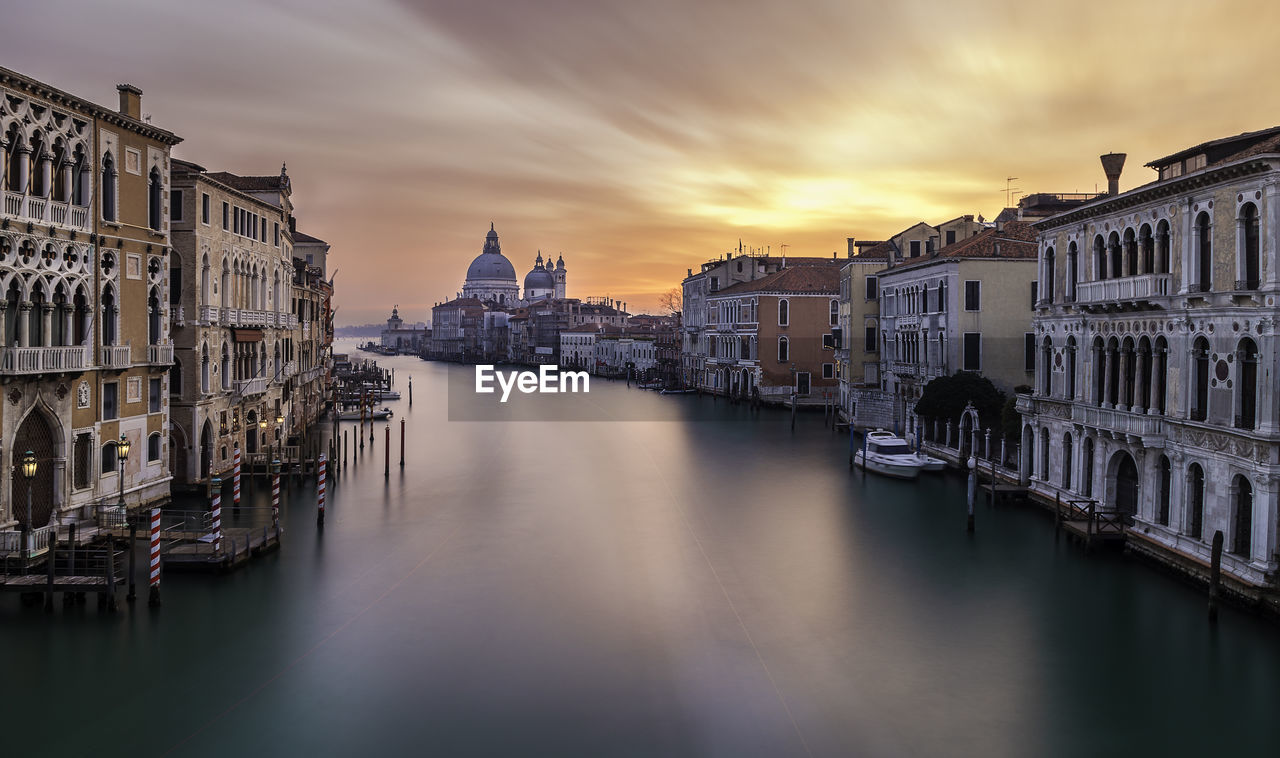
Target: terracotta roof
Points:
(1016, 239)
(461, 302)
(246, 183)
(800, 280)
(880, 250)
(304, 237)
(1269, 145)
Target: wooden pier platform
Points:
(239, 544)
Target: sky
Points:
(641, 139)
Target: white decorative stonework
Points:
(133, 266)
(134, 391)
(82, 394)
(133, 160)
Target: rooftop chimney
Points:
(130, 101)
(1112, 164)
(852, 247)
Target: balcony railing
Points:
(904, 368)
(1115, 420)
(116, 356)
(229, 316)
(45, 210)
(1129, 288)
(40, 360)
(160, 355)
(907, 321)
(208, 314)
(255, 386)
(290, 368)
(306, 330)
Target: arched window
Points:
(155, 198)
(1071, 369)
(1200, 379)
(204, 369)
(108, 188)
(108, 316)
(109, 461)
(1099, 258)
(1160, 360)
(1117, 255)
(153, 317)
(1047, 286)
(1164, 248)
(783, 352)
(1166, 480)
(153, 447)
(1195, 501)
(784, 315)
(1044, 454)
(226, 367)
(942, 296)
(1099, 371)
(1249, 247)
(1130, 253)
(1113, 371)
(1204, 254)
(1246, 384)
(1147, 247)
(1073, 272)
(1242, 516)
(1046, 367)
(835, 313)
(1086, 468)
(1066, 461)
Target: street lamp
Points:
(122, 453)
(28, 469)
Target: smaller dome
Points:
(539, 279)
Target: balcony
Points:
(46, 211)
(290, 368)
(255, 386)
(208, 314)
(905, 368)
(229, 317)
(907, 321)
(1117, 421)
(116, 356)
(178, 316)
(306, 330)
(43, 360)
(160, 355)
(1128, 289)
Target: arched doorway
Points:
(178, 453)
(206, 449)
(36, 434)
(251, 432)
(1123, 478)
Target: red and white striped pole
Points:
(320, 493)
(235, 479)
(153, 598)
(215, 520)
(275, 495)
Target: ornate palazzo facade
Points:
(1156, 352)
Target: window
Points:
(1195, 501)
(1246, 384)
(951, 237)
(1067, 463)
(226, 217)
(869, 339)
(175, 378)
(828, 370)
(783, 312)
(835, 313)
(715, 284)
(1200, 379)
(802, 382)
(1035, 292)
(1204, 253)
(1242, 523)
(80, 465)
(175, 205)
(1249, 232)
(109, 461)
(973, 351)
(915, 248)
(275, 233)
(108, 188)
(110, 406)
(153, 447)
(204, 208)
(153, 394)
(1162, 512)
(1086, 468)
(1029, 351)
(783, 353)
(828, 341)
(873, 288)
(942, 296)
(155, 199)
(972, 295)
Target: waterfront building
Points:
(857, 350)
(308, 393)
(697, 333)
(578, 345)
(456, 328)
(401, 338)
(1156, 357)
(774, 337)
(234, 321)
(965, 307)
(84, 260)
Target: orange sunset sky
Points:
(639, 139)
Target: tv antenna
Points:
(1009, 189)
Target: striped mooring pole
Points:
(215, 519)
(320, 493)
(235, 478)
(275, 495)
(153, 598)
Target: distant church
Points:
(492, 279)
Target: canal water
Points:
(708, 584)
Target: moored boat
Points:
(380, 413)
(889, 455)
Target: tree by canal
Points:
(945, 399)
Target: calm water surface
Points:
(716, 586)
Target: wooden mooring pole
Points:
(320, 494)
(386, 454)
(401, 443)
(1215, 575)
(153, 598)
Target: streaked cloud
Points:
(639, 139)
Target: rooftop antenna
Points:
(1009, 189)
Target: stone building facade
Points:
(84, 249)
(1157, 357)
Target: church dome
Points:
(539, 279)
(491, 264)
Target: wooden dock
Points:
(239, 544)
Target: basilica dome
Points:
(491, 263)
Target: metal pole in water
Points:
(973, 491)
(153, 599)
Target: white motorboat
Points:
(380, 413)
(927, 462)
(887, 454)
